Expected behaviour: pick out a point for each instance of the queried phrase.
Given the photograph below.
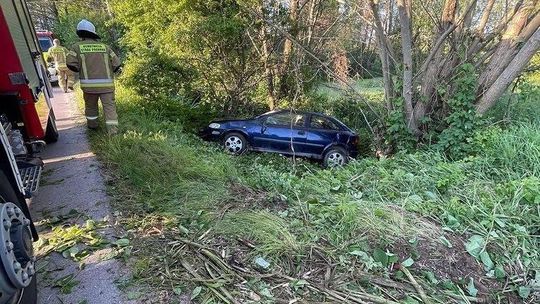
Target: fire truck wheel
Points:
(51, 133)
(29, 295)
(22, 239)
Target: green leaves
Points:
(298, 284)
(471, 289)
(196, 292)
(66, 283)
(462, 123)
(386, 258)
(524, 291)
(368, 261)
(475, 245)
(71, 252)
(499, 272)
(122, 242)
(408, 262)
(485, 258)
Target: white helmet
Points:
(86, 25)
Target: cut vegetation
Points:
(259, 228)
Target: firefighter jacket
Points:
(58, 54)
(96, 63)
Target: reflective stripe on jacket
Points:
(58, 54)
(95, 62)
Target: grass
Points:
(367, 87)
(315, 226)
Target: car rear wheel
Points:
(335, 157)
(235, 143)
(17, 276)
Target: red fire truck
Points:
(27, 123)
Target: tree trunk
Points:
(516, 66)
(341, 66)
(404, 8)
(485, 18)
(383, 54)
(269, 74)
(312, 20)
(505, 51)
(436, 60)
(288, 48)
(481, 27)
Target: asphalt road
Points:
(72, 181)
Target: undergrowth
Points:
(313, 224)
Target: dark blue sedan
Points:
(288, 132)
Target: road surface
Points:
(72, 181)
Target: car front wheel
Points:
(335, 157)
(235, 143)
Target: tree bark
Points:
(505, 50)
(485, 18)
(288, 48)
(312, 20)
(433, 65)
(269, 74)
(383, 54)
(404, 8)
(516, 66)
(529, 30)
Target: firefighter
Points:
(58, 53)
(95, 62)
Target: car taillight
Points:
(354, 140)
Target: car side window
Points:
(319, 122)
(285, 119)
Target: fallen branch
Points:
(461, 297)
(221, 288)
(370, 298)
(417, 286)
(209, 286)
(331, 295)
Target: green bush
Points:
(456, 139)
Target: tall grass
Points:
(160, 168)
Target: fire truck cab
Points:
(27, 123)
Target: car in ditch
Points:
(304, 134)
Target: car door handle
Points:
(301, 133)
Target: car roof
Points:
(295, 111)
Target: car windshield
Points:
(45, 44)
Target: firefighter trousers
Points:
(65, 78)
(109, 108)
